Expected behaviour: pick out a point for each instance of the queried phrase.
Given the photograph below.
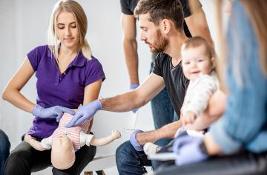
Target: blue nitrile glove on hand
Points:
(132, 87)
(85, 112)
(52, 112)
(189, 149)
(134, 142)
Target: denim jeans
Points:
(163, 113)
(129, 161)
(4, 150)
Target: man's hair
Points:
(199, 41)
(161, 9)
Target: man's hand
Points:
(134, 141)
(84, 113)
(52, 112)
(189, 149)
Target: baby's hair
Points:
(199, 41)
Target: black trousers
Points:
(24, 159)
(240, 164)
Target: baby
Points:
(65, 141)
(198, 64)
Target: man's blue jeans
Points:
(129, 161)
(4, 150)
(163, 113)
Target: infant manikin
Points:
(64, 142)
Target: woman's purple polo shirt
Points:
(54, 88)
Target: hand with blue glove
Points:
(52, 112)
(85, 112)
(189, 149)
(132, 87)
(134, 142)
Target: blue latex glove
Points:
(52, 112)
(189, 150)
(132, 87)
(134, 142)
(84, 113)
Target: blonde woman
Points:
(67, 76)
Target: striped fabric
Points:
(73, 133)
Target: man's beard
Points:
(161, 44)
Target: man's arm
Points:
(196, 22)
(136, 98)
(167, 131)
(130, 46)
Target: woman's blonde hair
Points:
(78, 12)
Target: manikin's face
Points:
(195, 62)
(151, 34)
(67, 30)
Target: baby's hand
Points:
(115, 134)
(188, 118)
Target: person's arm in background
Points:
(12, 92)
(130, 47)
(196, 22)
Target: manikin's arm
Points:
(89, 139)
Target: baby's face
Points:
(195, 62)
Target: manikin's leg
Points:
(45, 144)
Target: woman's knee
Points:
(17, 161)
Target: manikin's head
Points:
(159, 19)
(197, 57)
(62, 153)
